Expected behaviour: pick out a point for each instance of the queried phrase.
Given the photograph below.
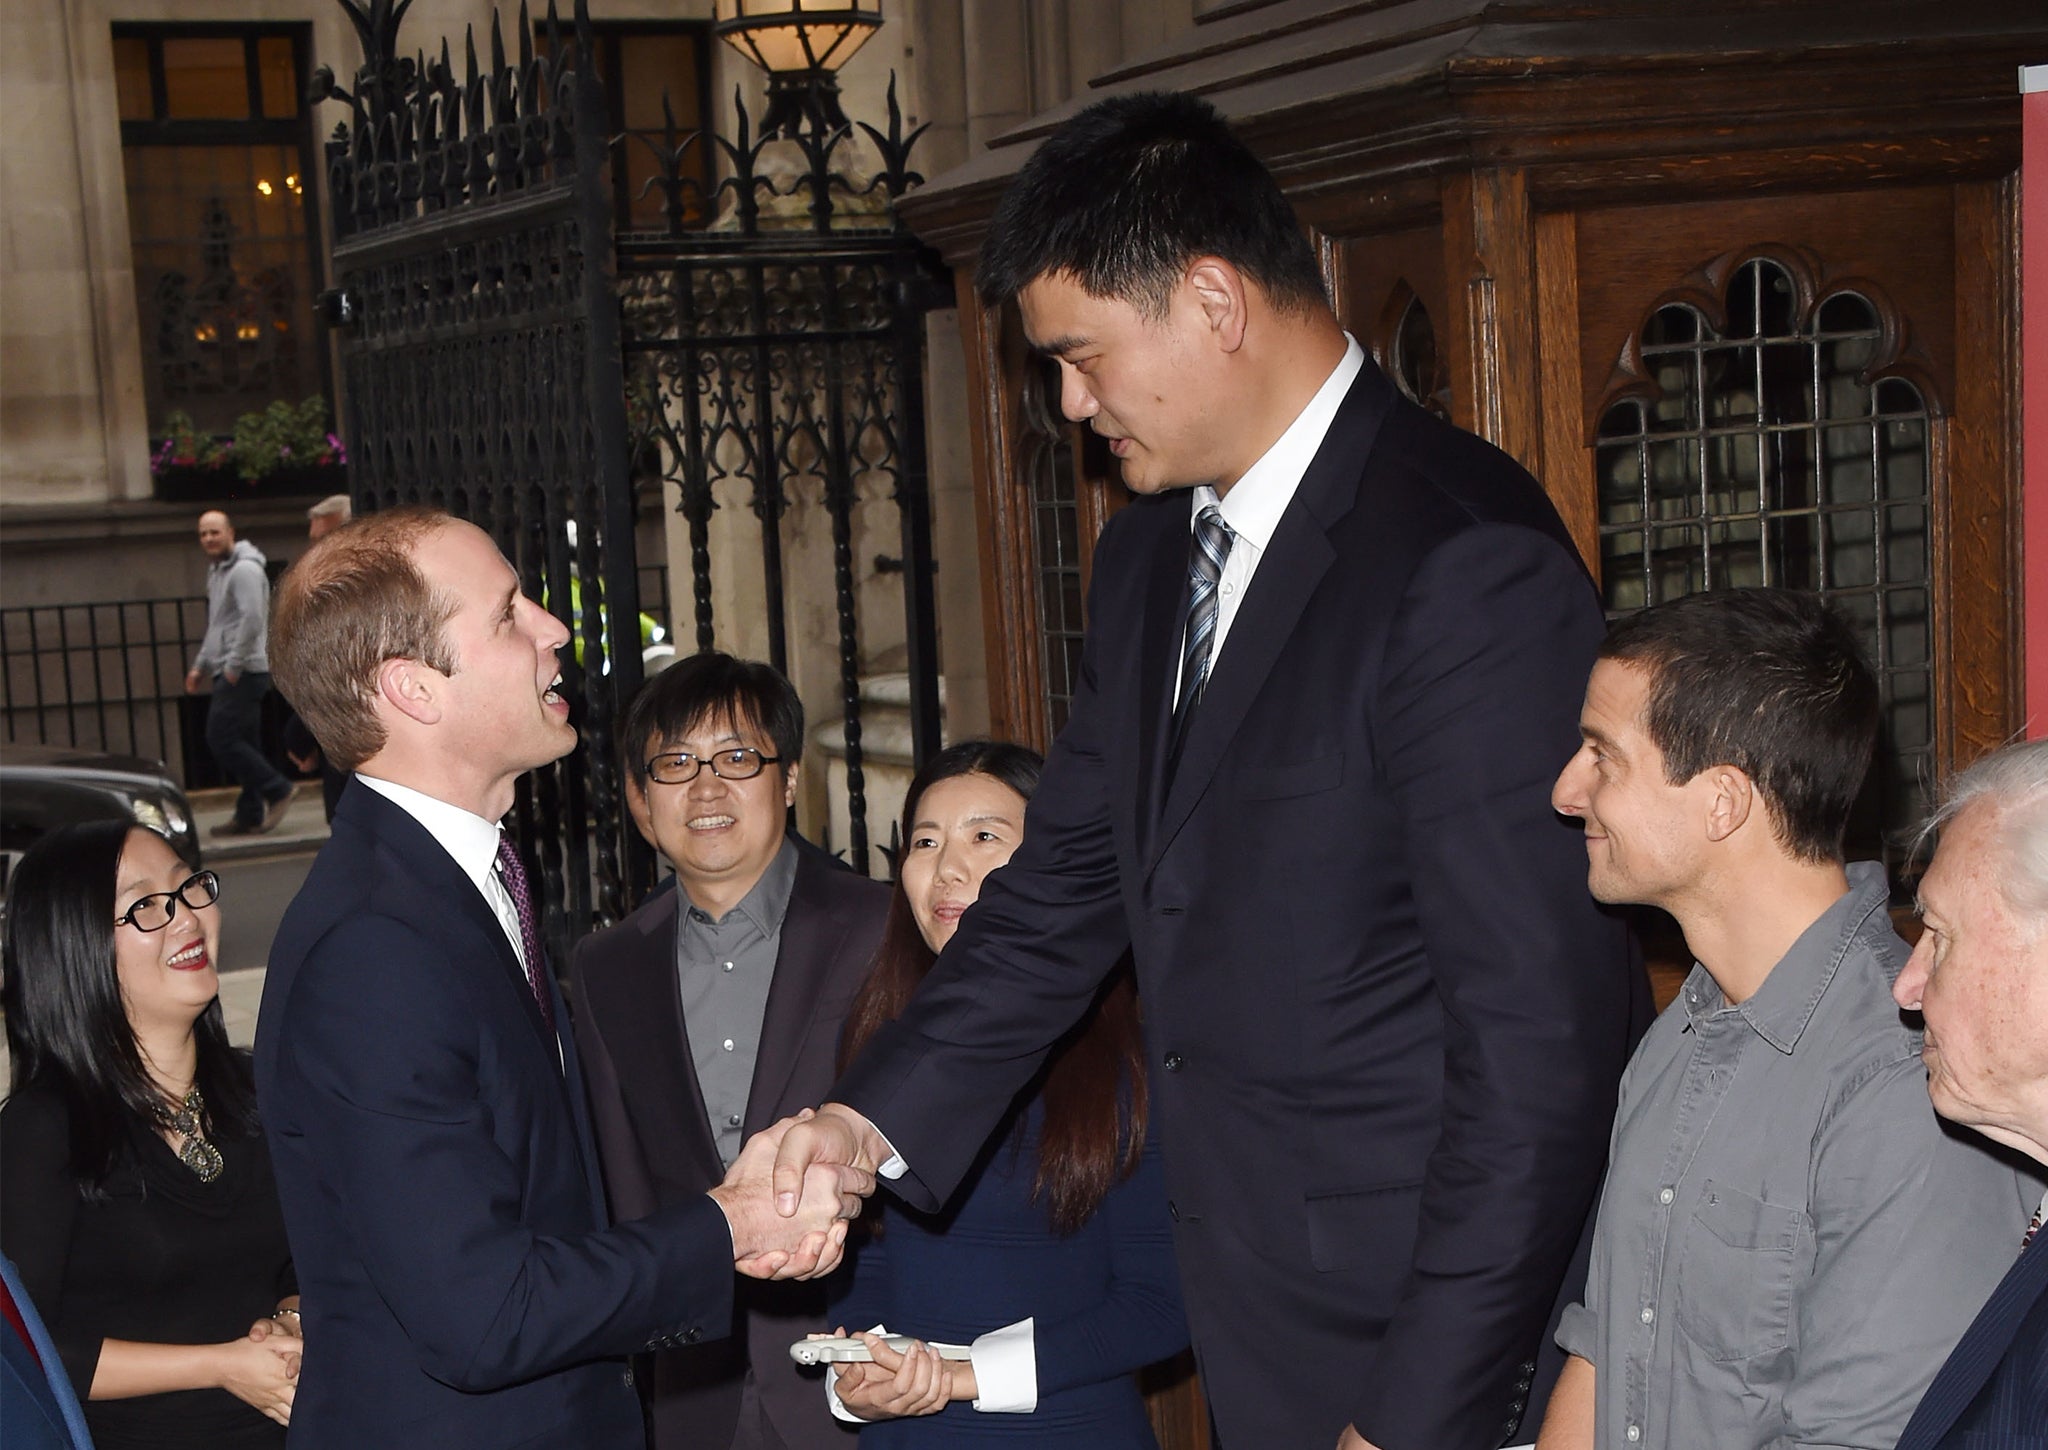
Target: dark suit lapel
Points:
(651, 1048)
(1983, 1346)
(812, 937)
(1166, 587)
(1290, 571)
(441, 878)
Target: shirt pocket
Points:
(1735, 1274)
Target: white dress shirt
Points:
(1253, 507)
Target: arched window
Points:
(1761, 441)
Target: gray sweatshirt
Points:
(237, 615)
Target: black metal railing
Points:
(479, 338)
(102, 676)
(776, 363)
(109, 675)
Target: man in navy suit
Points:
(1332, 664)
(420, 1087)
(1979, 979)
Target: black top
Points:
(162, 1258)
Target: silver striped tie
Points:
(1209, 548)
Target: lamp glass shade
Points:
(782, 36)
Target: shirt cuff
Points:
(1578, 1332)
(1006, 1369)
(893, 1167)
(832, 1400)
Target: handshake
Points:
(790, 1194)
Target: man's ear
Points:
(790, 776)
(638, 808)
(1731, 802)
(1219, 290)
(411, 688)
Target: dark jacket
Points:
(657, 1145)
(1384, 1018)
(440, 1184)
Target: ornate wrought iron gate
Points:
(485, 371)
(785, 349)
(480, 351)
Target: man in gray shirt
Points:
(235, 656)
(713, 1006)
(1788, 1242)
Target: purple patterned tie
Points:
(513, 873)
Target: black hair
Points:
(1092, 1086)
(711, 686)
(1129, 191)
(67, 1030)
(1770, 681)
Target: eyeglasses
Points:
(154, 911)
(681, 767)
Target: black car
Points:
(44, 786)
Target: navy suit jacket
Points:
(38, 1408)
(1993, 1392)
(440, 1186)
(658, 1149)
(1384, 1019)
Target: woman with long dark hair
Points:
(136, 1197)
(1054, 1262)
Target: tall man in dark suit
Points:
(1979, 978)
(1332, 664)
(422, 1095)
(715, 1009)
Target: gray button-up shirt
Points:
(1789, 1243)
(723, 971)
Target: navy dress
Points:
(1105, 1300)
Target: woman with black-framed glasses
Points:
(136, 1196)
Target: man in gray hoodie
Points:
(235, 656)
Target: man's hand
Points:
(770, 1245)
(193, 681)
(1352, 1440)
(232, 675)
(834, 1136)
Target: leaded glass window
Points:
(1048, 471)
(1767, 447)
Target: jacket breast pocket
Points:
(1736, 1272)
(1295, 778)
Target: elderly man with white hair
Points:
(1979, 978)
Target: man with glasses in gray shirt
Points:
(712, 1006)
(1788, 1243)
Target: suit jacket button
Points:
(1173, 1061)
(691, 1336)
(628, 1378)
(1173, 1210)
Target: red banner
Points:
(2034, 385)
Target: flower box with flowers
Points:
(284, 450)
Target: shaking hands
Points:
(789, 1221)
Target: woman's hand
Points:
(262, 1370)
(283, 1320)
(894, 1385)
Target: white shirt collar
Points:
(1256, 501)
(469, 838)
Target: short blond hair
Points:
(356, 599)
